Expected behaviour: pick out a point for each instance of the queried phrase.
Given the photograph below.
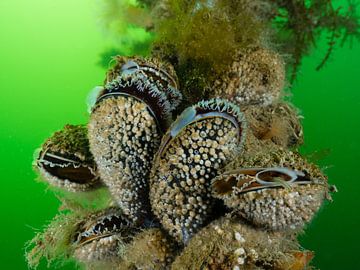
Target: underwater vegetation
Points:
(190, 157)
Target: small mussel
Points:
(65, 161)
(201, 141)
(100, 237)
(277, 198)
(278, 123)
(127, 119)
(256, 77)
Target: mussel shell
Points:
(65, 161)
(125, 128)
(256, 77)
(201, 141)
(100, 236)
(275, 198)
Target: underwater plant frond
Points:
(299, 25)
(53, 243)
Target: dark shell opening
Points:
(79, 175)
(66, 169)
(269, 176)
(106, 226)
(224, 186)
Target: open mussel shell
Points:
(275, 198)
(101, 236)
(201, 141)
(65, 161)
(125, 128)
(230, 243)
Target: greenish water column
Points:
(48, 55)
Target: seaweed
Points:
(200, 36)
(200, 39)
(300, 23)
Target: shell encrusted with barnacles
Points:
(218, 186)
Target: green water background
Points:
(48, 55)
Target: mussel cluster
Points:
(218, 186)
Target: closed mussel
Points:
(65, 161)
(202, 140)
(283, 195)
(127, 120)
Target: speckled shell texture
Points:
(256, 77)
(181, 176)
(124, 137)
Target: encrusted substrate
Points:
(256, 77)
(180, 195)
(228, 243)
(124, 137)
(278, 122)
(64, 160)
(150, 249)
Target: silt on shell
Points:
(279, 123)
(65, 161)
(256, 77)
(277, 190)
(201, 141)
(125, 128)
